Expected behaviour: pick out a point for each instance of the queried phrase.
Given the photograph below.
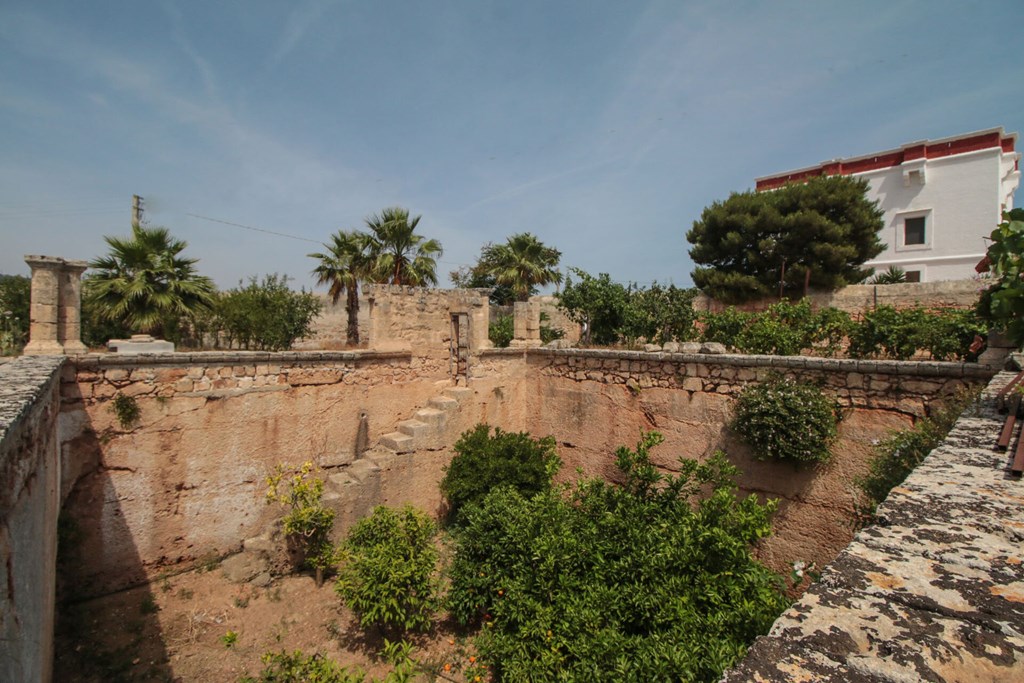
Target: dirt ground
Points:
(198, 626)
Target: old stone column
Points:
(526, 324)
(69, 321)
(45, 314)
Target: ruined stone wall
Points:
(330, 327)
(858, 298)
(186, 481)
(29, 505)
(557, 319)
(418, 319)
(933, 592)
(595, 401)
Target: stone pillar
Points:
(69, 321)
(526, 324)
(45, 310)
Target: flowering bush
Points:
(782, 419)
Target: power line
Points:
(250, 227)
(306, 239)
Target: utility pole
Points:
(136, 210)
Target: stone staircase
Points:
(403, 467)
(387, 468)
(426, 430)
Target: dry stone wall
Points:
(29, 505)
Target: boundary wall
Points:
(856, 299)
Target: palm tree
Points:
(522, 263)
(401, 257)
(347, 261)
(145, 284)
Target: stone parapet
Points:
(933, 592)
(29, 505)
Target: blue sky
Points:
(602, 127)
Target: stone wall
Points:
(418, 319)
(933, 592)
(595, 401)
(29, 505)
(858, 298)
(187, 480)
(557, 319)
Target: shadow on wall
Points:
(85, 649)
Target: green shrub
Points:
(308, 522)
(264, 314)
(948, 334)
(15, 297)
(388, 567)
(126, 410)
(724, 327)
(899, 334)
(548, 333)
(897, 456)
(652, 580)
(483, 462)
(298, 667)
(782, 419)
(1002, 304)
(501, 331)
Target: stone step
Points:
(432, 416)
(445, 403)
(398, 442)
(361, 470)
(381, 456)
(339, 480)
(458, 393)
(415, 428)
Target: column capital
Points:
(44, 262)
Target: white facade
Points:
(940, 199)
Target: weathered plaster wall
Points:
(933, 592)
(187, 480)
(595, 401)
(29, 505)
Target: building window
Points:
(913, 275)
(913, 231)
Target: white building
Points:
(940, 198)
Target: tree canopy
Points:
(390, 252)
(346, 261)
(825, 227)
(513, 270)
(144, 283)
(400, 256)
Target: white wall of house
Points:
(959, 197)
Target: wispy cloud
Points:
(299, 21)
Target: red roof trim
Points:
(913, 151)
